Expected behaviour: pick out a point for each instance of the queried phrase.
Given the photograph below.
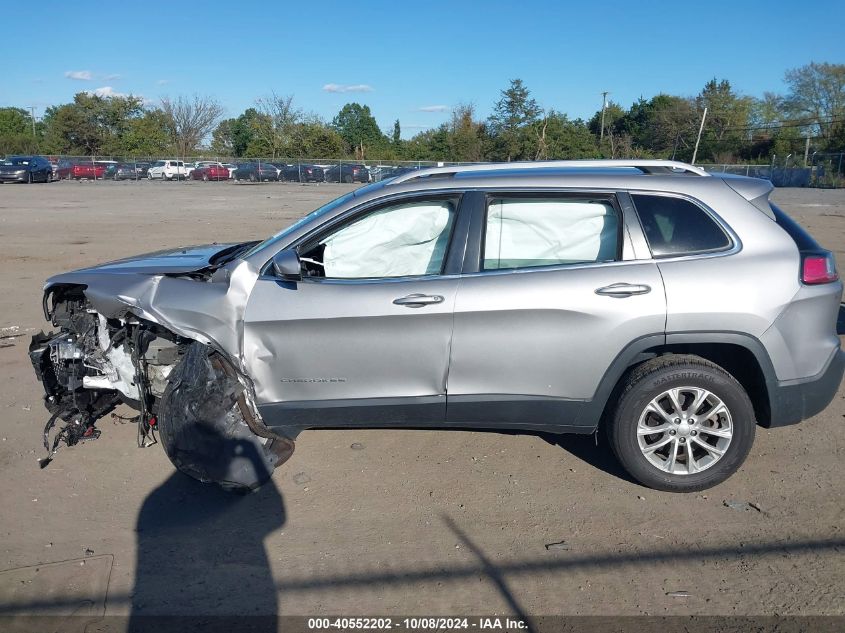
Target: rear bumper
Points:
(792, 402)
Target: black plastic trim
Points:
(794, 402)
(357, 412)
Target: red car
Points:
(210, 172)
(76, 170)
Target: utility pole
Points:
(603, 107)
(806, 151)
(698, 139)
(32, 110)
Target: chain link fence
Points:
(821, 169)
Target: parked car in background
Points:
(232, 168)
(26, 169)
(257, 172)
(210, 171)
(302, 172)
(168, 170)
(55, 166)
(348, 173)
(79, 169)
(125, 171)
(383, 172)
(143, 168)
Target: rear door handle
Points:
(418, 300)
(622, 290)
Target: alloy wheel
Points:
(685, 430)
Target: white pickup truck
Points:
(169, 170)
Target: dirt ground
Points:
(404, 522)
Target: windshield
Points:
(159, 163)
(334, 204)
(16, 160)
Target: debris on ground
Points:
(88, 551)
(301, 478)
(678, 594)
(357, 446)
(745, 506)
(560, 545)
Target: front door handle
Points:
(622, 290)
(418, 300)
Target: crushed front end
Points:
(184, 389)
(93, 363)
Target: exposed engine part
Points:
(95, 363)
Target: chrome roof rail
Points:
(645, 166)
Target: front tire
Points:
(204, 428)
(682, 424)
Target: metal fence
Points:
(820, 170)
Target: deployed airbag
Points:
(541, 232)
(395, 242)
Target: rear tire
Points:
(702, 418)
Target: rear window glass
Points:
(674, 226)
(529, 232)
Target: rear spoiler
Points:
(755, 190)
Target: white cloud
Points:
(79, 75)
(107, 91)
(348, 88)
(434, 108)
(113, 77)
(162, 82)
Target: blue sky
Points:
(411, 61)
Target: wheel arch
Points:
(740, 354)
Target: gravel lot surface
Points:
(406, 522)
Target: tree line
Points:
(737, 128)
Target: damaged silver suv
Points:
(669, 308)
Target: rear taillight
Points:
(818, 269)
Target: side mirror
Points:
(286, 265)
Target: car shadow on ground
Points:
(592, 449)
(201, 553)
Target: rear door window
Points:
(675, 226)
(526, 232)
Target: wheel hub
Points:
(684, 430)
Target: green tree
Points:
(16, 132)
(315, 140)
(397, 133)
(563, 139)
(817, 95)
(728, 116)
(222, 139)
(511, 123)
(146, 135)
(466, 143)
(359, 130)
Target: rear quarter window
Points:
(675, 226)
